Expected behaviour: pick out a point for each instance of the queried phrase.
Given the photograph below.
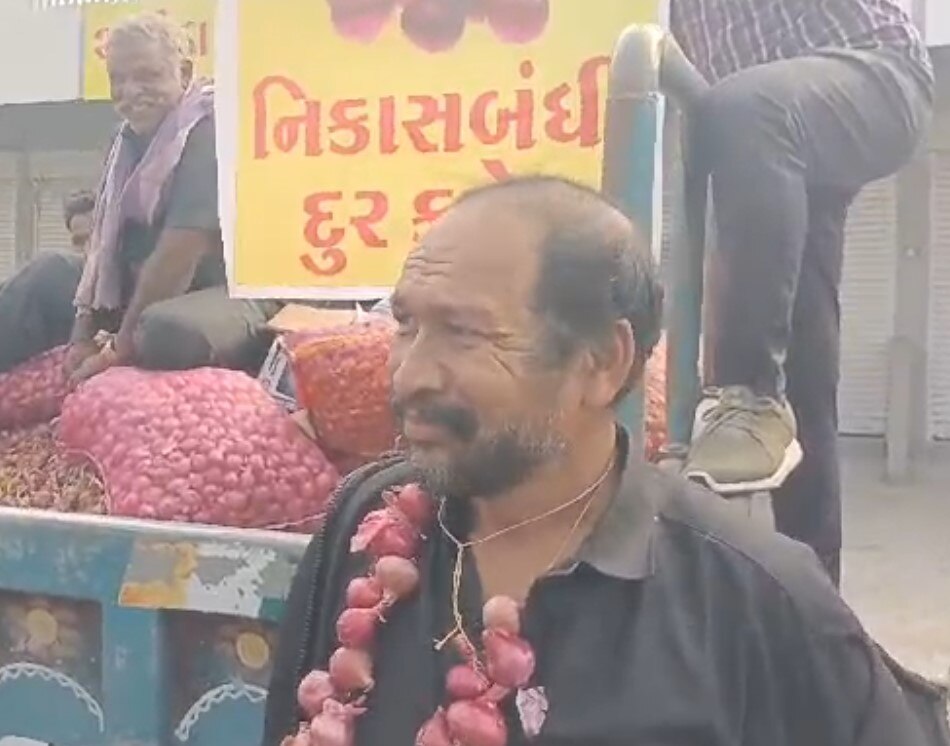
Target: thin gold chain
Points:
(462, 547)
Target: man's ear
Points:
(611, 366)
(187, 72)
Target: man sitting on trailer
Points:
(155, 275)
(656, 613)
(810, 101)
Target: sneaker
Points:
(742, 443)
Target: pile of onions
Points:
(35, 472)
(331, 700)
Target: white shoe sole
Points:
(793, 457)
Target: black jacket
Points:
(308, 633)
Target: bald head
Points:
(526, 313)
(593, 267)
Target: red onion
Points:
(333, 726)
(301, 739)
(399, 540)
(510, 659)
(315, 689)
(356, 628)
(476, 724)
(413, 502)
(502, 613)
(351, 670)
(518, 21)
(364, 593)
(382, 533)
(435, 731)
(398, 576)
(464, 682)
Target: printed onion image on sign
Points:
(439, 25)
(341, 144)
(195, 16)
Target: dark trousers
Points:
(789, 145)
(201, 328)
(36, 306)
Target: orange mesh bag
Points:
(33, 392)
(342, 380)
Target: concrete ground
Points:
(897, 555)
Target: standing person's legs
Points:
(769, 135)
(808, 506)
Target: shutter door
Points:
(867, 309)
(7, 227)
(55, 176)
(7, 216)
(939, 347)
(51, 230)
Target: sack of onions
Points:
(205, 446)
(343, 381)
(33, 392)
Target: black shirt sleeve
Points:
(837, 690)
(861, 696)
(193, 194)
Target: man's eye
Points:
(404, 326)
(460, 330)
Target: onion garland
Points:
(333, 700)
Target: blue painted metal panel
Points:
(629, 178)
(127, 632)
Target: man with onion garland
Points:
(555, 588)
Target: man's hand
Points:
(125, 346)
(77, 355)
(94, 365)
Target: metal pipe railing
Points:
(647, 67)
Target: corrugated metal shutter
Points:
(55, 175)
(7, 216)
(939, 347)
(867, 309)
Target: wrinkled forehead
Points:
(479, 255)
(130, 52)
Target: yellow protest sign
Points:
(195, 16)
(346, 135)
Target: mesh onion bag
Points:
(32, 393)
(343, 381)
(206, 446)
